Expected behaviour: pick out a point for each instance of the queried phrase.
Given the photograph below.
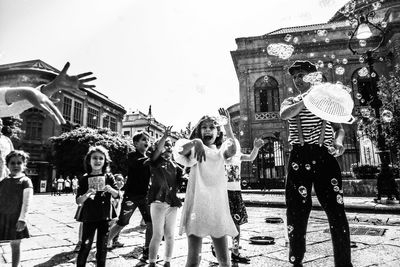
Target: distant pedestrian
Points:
(74, 183)
(166, 177)
(67, 185)
(16, 192)
(54, 186)
(206, 208)
(96, 188)
(60, 185)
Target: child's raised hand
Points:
(224, 112)
(199, 152)
(167, 131)
(108, 188)
(21, 226)
(258, 142)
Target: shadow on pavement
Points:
(58, 259)
(134, 229)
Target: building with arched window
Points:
(94, 110)
(264, 82)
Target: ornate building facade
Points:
(139, 121)
(264, 82)
(93, 110)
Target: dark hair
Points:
(93, 149)
(17, 153)
(196, 133)
(119, 176)
(138, 135)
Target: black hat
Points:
(302, 65)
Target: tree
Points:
(389, 94)
(12, 129)
(71, 147)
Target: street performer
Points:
(314, 145)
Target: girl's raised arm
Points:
(161, 143)
(258, 143)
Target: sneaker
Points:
(78, 247)
(145, 255)
(117, 244)
(213, 251)
(239, 258)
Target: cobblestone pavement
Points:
(55, 233)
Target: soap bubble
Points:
(339, 199)
(222, 120)
(336, 188)
(303, 191)
(313, 77)
(287, 38)
(322, 33)
(339, 70)
(363, 72)
(387, 116)
(362, 43)
(280, 50)
(376, 5)
(295, 166)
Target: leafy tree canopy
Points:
(71, 147)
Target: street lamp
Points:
(386, 184)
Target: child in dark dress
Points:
(94, 194)
(15, 193)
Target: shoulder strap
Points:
(301, 138)
(322, 134)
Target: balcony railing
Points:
(266, 116)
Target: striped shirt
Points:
(311, 128)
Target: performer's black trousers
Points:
(308, 165)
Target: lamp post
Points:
(386, 184)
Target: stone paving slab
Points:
(55, 236)
(354, 204)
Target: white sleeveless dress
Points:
(206, 207)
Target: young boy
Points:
(135, 190)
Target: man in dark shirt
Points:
(136, 190)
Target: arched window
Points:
(266, 94)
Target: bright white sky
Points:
(171, 54)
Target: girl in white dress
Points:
(206, 208)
